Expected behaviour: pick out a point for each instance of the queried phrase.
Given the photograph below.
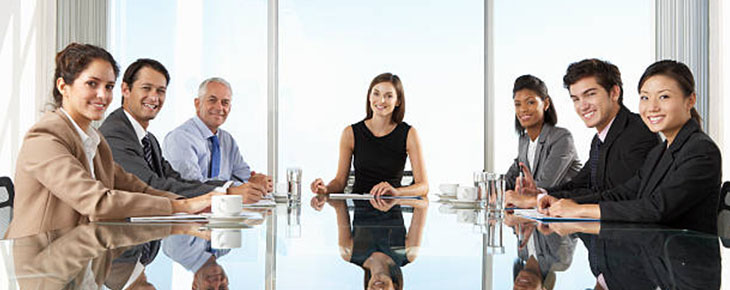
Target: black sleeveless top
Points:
(378, 159)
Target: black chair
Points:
(723, 217)
(7, 196)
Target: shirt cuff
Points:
(224, 187)
(540, 195)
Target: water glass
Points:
(294, 179)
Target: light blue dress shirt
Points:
(188, 150)
(190, 252)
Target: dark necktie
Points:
(593, 160)
(147, 148)
(215, 157)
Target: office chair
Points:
(723, 217)
(7, 195)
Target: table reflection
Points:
(377, 240)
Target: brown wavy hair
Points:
(73, 60)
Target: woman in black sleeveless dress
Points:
(378, 147)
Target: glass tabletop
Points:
(346, 244)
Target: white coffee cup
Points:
(466, 193)
(226, 205)
(225, 238)
(448, 188)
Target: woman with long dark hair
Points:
(65, 174)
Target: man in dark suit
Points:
(619, 147)
(144, 87)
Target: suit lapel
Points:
(614, 132)
(538, 148)
(659, 169)
(667, 159)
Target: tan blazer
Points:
(63, 259)
(54, 189)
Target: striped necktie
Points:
(593, 161)
(147, 148)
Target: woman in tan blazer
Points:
(65, 174)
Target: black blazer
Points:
(678, 186)
(621, 155)
(128, 152)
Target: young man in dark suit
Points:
(619, 147)
(144, 88)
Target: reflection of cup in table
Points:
(466, 216)
(225, 238)
(226, 205)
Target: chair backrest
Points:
(7, 196)
(7, 192)
(406, 181)
(724, 197)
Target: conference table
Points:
(322, 243)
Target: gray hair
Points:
(203, 88)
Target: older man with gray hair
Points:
(200, 150)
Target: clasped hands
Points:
(525, 196)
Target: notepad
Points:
(260, 204)
(174, 218)
(367, 196)
(535, 215)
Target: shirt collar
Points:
(89, 138)
(138, 129)
(202, 128)
(603, 133)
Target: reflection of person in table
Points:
(79, 257)
(540, 254)
(196, 255)
(377, 240)
(378, 146)
(641, 256)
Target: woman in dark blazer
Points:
(555, 160)
(679, 183)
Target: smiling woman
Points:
(65, 174)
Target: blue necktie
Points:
(215, 157)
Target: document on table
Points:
(174, 218)
(261, 203)
(188, 218)
(535, 215)
(367, 196)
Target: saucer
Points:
(446, 196)
(464, 203)
(232, 218)
(226, 225)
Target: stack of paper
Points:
(366, 196)
(535, 215)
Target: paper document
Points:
(261, 203)
(367, 196)
(533, 214)
(180, 218)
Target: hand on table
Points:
(262, 180)
(251, 192)
(514, 199)
(318, 186)
(383, 188)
